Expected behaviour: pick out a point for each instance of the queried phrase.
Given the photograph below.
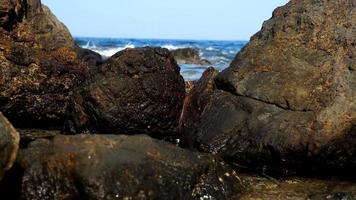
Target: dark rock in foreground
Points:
(121, 167)
(9, 145)
(189, 56)
(287, 102)
(137, 91)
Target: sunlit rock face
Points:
(287, 102)
(39, 65)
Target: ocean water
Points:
(219, 53)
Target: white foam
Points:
(108, 52)
(210, 49)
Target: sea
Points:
(219, 53)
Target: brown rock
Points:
(296, 189)
(137, 91)
(39, 65)
(9, 145)
(287, 102)
(195, 102)
(122, 167)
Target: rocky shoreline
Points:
(74, 126)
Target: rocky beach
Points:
(278, 123)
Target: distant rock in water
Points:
(9, 145)
(121, 167)
(137, 91)
(189, 56)
(40, 65)
(287, 102)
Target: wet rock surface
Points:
(9, 145)
(121, 167)
(189, 56)
(137, 91)
(287, 102)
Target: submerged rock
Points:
(9, 145)
(138, 91)
(121, 167)
(39, 65)
(287, 102)
(189, 56)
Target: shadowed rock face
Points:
(137, 91)
(122, 167)
(288, 99)
(197, 99)
(39, 65)
(9, 145)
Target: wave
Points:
(107, 52)
(172, 47)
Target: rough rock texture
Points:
(39, 64)
(121, 167)
(296, 189)
(287, 102)
(9, 145)
(138, 91)
(189, 56)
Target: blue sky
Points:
(165, 19)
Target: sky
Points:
(164, 19)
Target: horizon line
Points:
(147, 38)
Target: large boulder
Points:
(287, 102)
(9, 145)
(39, 64)
(137, 91)
(121, 167)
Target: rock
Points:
(91, 57)
(9, 145)
(287, 102)
(195, 102)
(296, 188)
(189, 56)
(121, 167)
(40, 65)
(137, 91)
